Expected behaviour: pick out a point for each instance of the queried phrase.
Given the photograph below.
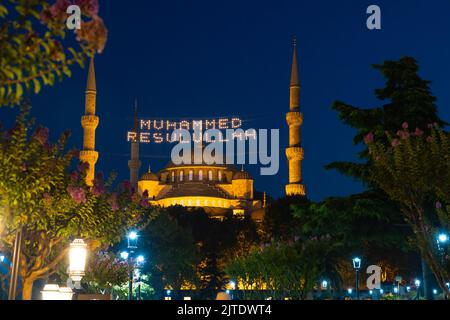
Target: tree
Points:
(39, 194)
(280, 269)
(172, 253)
(279, 222)
(415, 171)
(408, 99)
(105, 271)
(34, 44)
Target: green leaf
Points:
(37, 86)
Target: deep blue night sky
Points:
(209, 58)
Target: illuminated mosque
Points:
(218, 189)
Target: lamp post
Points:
(139, 262)
(232, 287)
(15, 265)
(132, 239)
(357, 265)
(417, 283)
(77, 260)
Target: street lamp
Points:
(140, 259)
(349, 290)
(357, 265)
(77, 259)
(124, 255)
(2, 258)
(417, 283)
(139, 262)
(132, 240)
(442, 238)
(324, 284)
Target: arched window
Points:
(181, 175)
(191, 175)
(173, 176)
(210, 177)
(219, 177)
(200, 175)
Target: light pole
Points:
(139, 262)
(357, 265)
(417, 283)
(232, 287)
(442, 241)
(132, 238)
(15, 265)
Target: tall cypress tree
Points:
(407, 98)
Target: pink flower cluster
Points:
(144, 200)
(58, 9)
(77, 193)
(41, 135)
(113, 201)
(93, 32)
(368, 138)
(83, 167)
(99, 185)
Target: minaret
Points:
(134, 164)
(89, 122)
(294, 118)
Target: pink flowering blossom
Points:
(89, 7)
(405, 125)
(403, 134)
(395, 142)
(77, 193)
(41, 135)
(113, 202)
(418, 132)
(73, 176)
(368, 138)
(126, 185)
(83, 166)
(438, 205)
(429, 139)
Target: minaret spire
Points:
(294, 118)
(89, 122)
(294, 67)
(134, 163)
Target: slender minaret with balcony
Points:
(134, 163)
(89, 122)
(294, 118)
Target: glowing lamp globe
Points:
(324, 284)
(124, 255)
(232, 285)
(77, 259)
(356, 263)
(132, 239)
(417, 283)
(140, 259)
(442, 238)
